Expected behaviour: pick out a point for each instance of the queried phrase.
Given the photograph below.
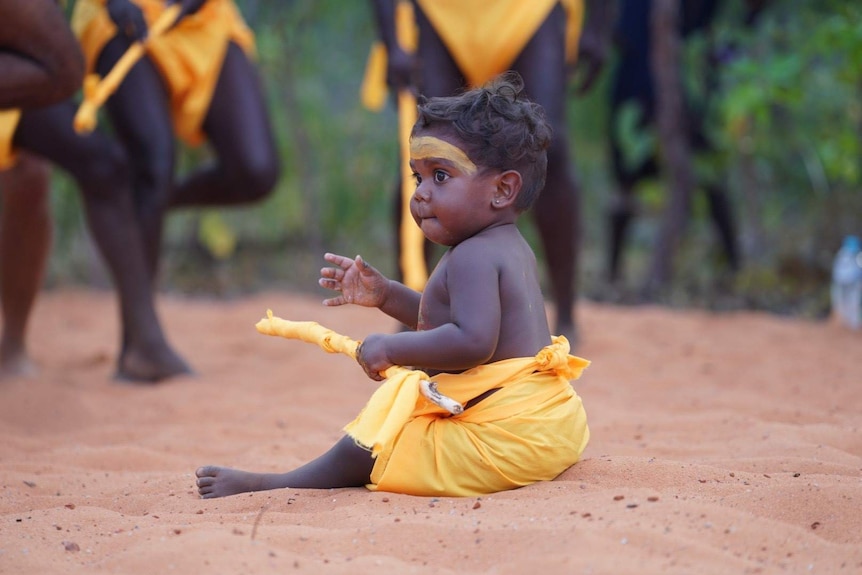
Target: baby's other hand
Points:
(372, 357)
(358, 282)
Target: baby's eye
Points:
(417, 178)
(440, 176)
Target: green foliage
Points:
(791, 105)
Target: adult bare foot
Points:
(150, 365)
(222, 481)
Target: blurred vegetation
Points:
(786, 115)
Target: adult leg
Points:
(720, 208)
(99, 167)
(344, 465)
(542, 65)
(140, 115)
(25, 241)
(238, 127)
(440, 76)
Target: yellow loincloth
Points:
(532, 429)
(8, 125)
(188, 56)
(484, 38)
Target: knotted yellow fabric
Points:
(189, 56)
(531, 429)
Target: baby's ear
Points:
(508, 187)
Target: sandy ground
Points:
(724, 443)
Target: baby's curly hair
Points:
(500, 128)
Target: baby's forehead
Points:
(437, 139)
(448, 135)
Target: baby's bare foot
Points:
(222, 481)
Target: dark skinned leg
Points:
(140, 115)
(237, 125)
(25, 242)
(440, 77)
(344, 465)
(623, 208)
(722, 217)
(100, 170)
(542, 65)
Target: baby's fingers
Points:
(338, 260)
(334, 301)
(328, 283)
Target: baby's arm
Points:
(361, 284)
(457, 334)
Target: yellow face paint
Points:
(424, 147)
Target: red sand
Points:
(726, 443)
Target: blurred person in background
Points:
(197, 82)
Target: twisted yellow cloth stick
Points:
(332, 342)
(96, 92)
(392, 403)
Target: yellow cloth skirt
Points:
(8, 125)
(484, 38)
(188, 56)
(532, 429)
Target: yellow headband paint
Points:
(424, 147)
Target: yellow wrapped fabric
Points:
(188, 56)
(484, 38)
(469, 18)
(8, 125)
(532, 429)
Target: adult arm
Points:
(401, 67)
(40, 60)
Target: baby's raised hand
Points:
(358, 282)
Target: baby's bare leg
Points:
(344, 465)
